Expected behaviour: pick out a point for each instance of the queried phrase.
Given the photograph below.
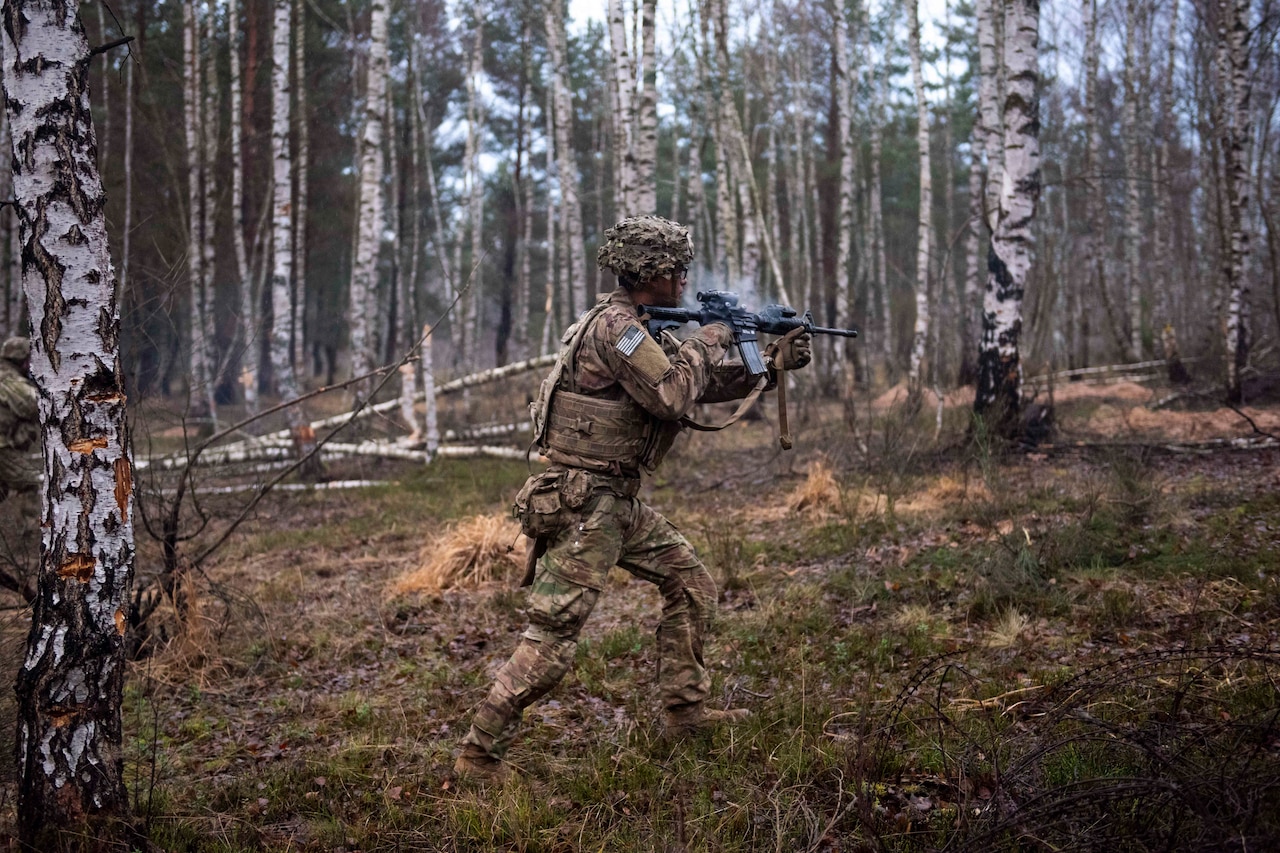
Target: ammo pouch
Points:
(545, 502)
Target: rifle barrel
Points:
(843, 333)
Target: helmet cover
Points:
(16, 349)
(645, 247)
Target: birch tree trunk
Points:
(645, 198)
(972, 270)
(876, 212)
(1234, 37)
(9, 229)
(1133, 198)
(844, 119)
(70, 684)
(302, 166)
(523, 195)
(575, 287)
(924, 235)
(1163, 233)
(201, 373)
(987, 12)
(282, 231)
(624, 126)
(1095, 276)
(247, 327)
(999, 390)
(549, 326)
(209, 195)
(364, 268)
(474, 182)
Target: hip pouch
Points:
(538, 507)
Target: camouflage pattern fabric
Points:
(611, 527)
(693, 371)
(645, 247)
(19, 408)
(19, 472)
(610, 530)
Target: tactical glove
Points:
(792, 353)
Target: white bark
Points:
(844, 118)
(876, 212)
(474, 183)
(201, 373)
(297, 324)
(429, 393)
(986, 12)
(1233, 34)
(645, 198)
(282, 216)
(924, 234)
(1133, 199)
(1000, 368)
(70, 685)
(364, 269)
(550, 332)
(1163, 233)
(209, 200)
(570, 208)
(624, 126)
(247, 325)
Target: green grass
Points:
(881, 714)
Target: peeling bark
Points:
(71, 680)
(999, 392)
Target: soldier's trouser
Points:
(610, 530)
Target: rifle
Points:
(721, 306)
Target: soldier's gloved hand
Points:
(792, 352)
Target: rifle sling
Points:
(746, 403)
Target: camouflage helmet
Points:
(645, 247)
(16, 349)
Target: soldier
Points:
(19, 419)
(611, 407)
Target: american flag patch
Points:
(630, 339)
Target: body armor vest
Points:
(614, 431)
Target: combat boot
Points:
(693, 719)
(476, 765)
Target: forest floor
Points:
(946, 644)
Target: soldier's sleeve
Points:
(20, 397)
(730, 381)
(665, 385)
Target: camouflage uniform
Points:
(19, 420)
(611, 408)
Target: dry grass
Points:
(819, 493)
(1007, 632)
(478, 550)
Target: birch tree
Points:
(201, 373)
(474, 187)
(364, 267)
(297, 321)
(645, 199)
(1133, 199)
(575, 287)
(924, 232)
(999, 389)
(1235, 85)
(282, 228)
(622, 88)
(844, 120)
(70, 684)
(247, 325)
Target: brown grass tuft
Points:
(478, 550)
(819, 492)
